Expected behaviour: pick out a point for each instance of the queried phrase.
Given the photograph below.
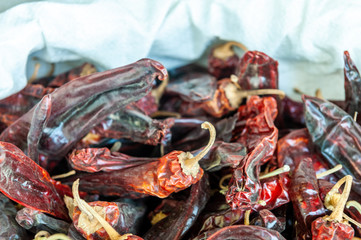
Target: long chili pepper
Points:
(259, 135)
(82, 103)
(173, 172)
(337, 135)
(304, 194)
(240, 232)
(25, 182)
(180, 220)
(333, 226)
(222, 61)
(352, 85)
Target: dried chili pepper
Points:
(82, 103)
(25, 182)
(337, 135)
(259, 135)
(173, 172)
(352, 85)
(333, 226)
(9, 228)
(34, 221)
(305, 198)
(240, 231)
(222, 61)
(136, 126)
(268, 220)
(176, 225)
(256, 70)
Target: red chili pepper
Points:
(333, 226)
(222, 61)
(256, 70)
(82, 103)
(259, 135)
(268, 220)
(305, 198)
(25, 182)
(173, 172)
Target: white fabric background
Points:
(306, 37)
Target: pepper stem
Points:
(188, 162)
(113, 235)
(157, 93)
(338, 209)
(351, 220)
(246, 93)
(329, 171)
(276, 172)
(355, 116)
(246, 217)
(44, 235)
(35, 73)
(64, 175)
(225, 50)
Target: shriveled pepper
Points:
(257, 132)
(337, 135)
(82, 103)
(333, 226)
(25, 182)
(352, 85)
(173, 172)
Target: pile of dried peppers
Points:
(138, 152)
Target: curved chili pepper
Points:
(305, 197)
(259, 135)
(173, 172)
(337, 135)
(25, 182)
(180, 220)
(333, 226)
(236, 231)
(352, 85)
(84, 102)
(222, 61)
(257, 70)
(268, 220)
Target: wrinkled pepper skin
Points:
(337, 135)
(25, 182)
(241, 232)
(258, 133)
(82, 103)
(306, 201)
(180, 220)
(352, 85)
(329, 230)
(257, 70)
(158, 178)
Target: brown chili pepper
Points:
(333, 226)
(173, 172)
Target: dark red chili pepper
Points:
(333, 226)
(352, 86)
(239, 232)
(337, 135)
(180, 220)
(268, 220)
(222, 61)
(136, 126)
(256, 70)
(34, 220)
(259, 135)
(292, 112)
(173, 172)
(305, 197)
(84, 102)
(9, 228)
(25, 182)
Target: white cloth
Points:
(306, 37)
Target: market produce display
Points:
(139, 152)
